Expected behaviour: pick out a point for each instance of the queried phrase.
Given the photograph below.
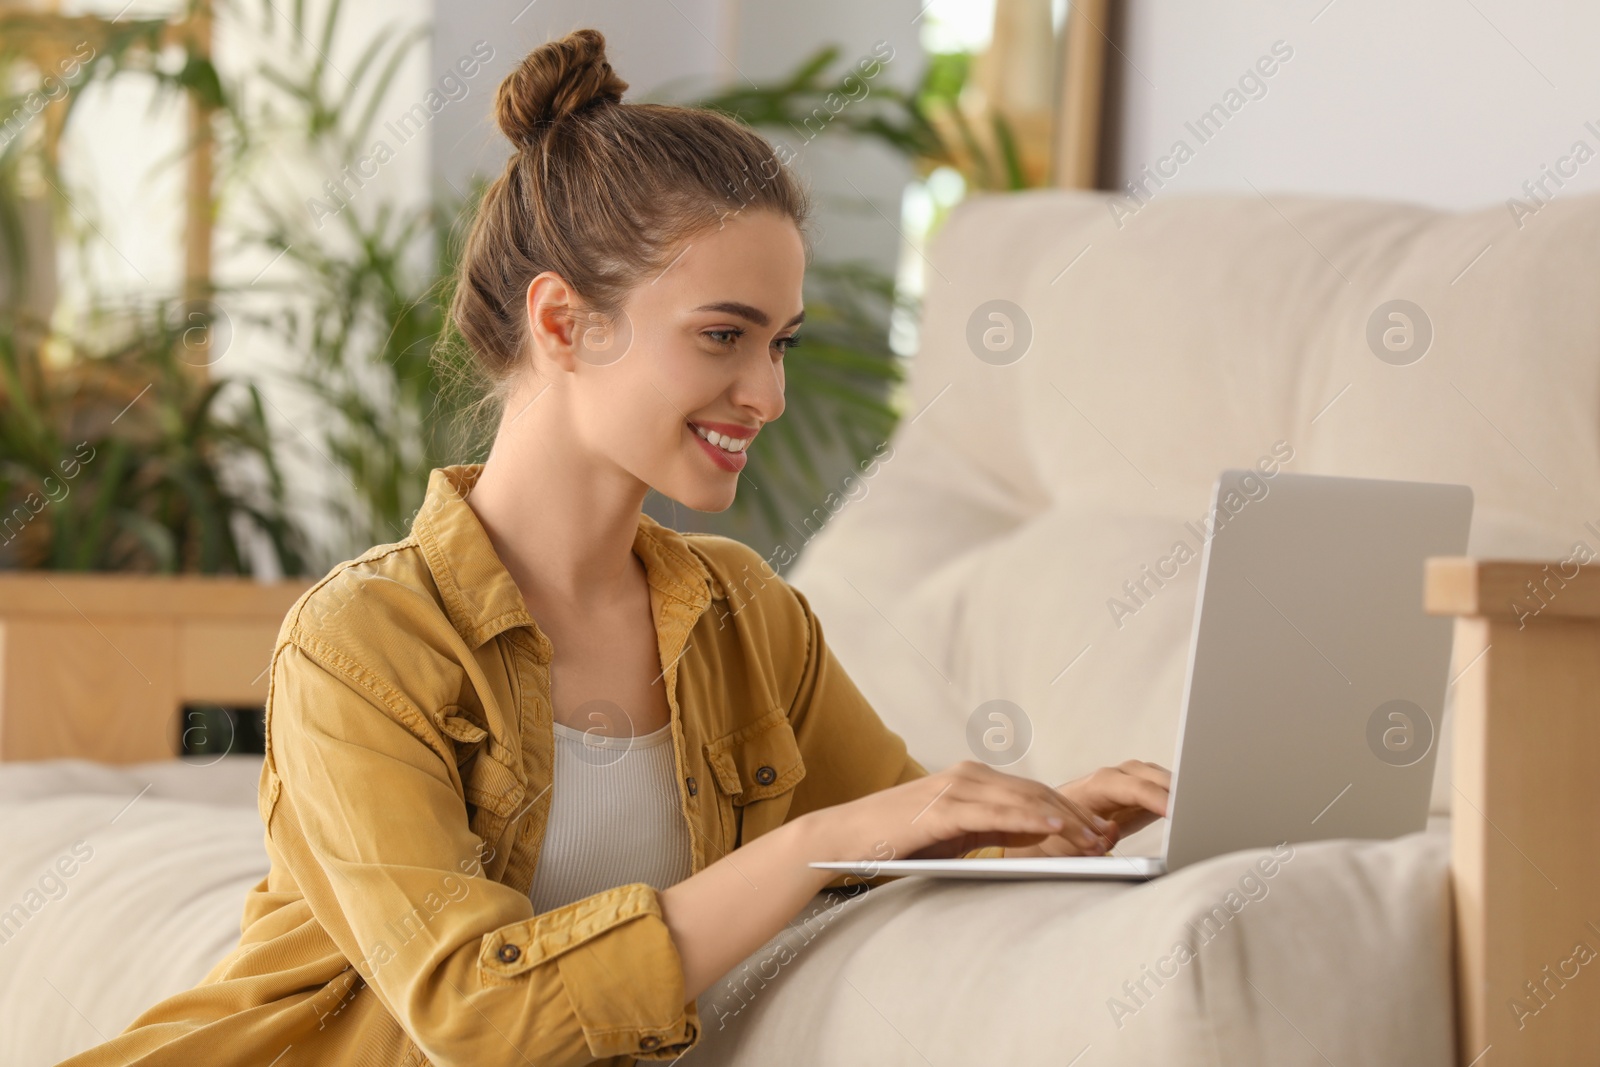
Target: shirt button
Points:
(694, 790)
(509, 953)
(766, 775)
(648, 1042)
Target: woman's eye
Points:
(725, 337)
(786, 343)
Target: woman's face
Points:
(697, 351)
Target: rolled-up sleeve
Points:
(368, 820)
(848, 750)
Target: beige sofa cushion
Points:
(124, 886)
(1341, 955)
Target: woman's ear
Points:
(553, 325)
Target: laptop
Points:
(1316, 682)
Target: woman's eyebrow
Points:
(745, 311)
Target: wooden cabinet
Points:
(98, 666)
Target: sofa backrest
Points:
(1085, 371)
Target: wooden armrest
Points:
(1516, 589)
(1525, 807)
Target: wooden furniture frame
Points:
(47, 37)
(98, 666)
(1081, 111)
(1525, 808)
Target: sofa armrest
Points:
(1525, 806)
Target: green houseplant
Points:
(121, 460)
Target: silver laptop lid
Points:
(1316, 682)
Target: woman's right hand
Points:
(967, 805)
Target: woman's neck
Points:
(563, 526)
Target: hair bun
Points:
(555, 80)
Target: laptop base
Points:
(1079, 868)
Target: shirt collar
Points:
(480, 596)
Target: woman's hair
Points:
(600, 192)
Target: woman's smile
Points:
(726, 443)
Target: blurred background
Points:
(226, 227)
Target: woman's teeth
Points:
(727, 444)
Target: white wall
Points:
(1454, 103)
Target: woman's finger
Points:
(980, 816)
(1078, 823)
(1128, 790)
(1152, 772)
(973, 795)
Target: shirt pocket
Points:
(467, 735)
(755, 770)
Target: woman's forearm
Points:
(721, 915)
(734, 906)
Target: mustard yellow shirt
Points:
(405, 792)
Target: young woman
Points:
(544, 771)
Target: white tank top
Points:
(615, 817)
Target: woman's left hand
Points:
(1127, 797)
